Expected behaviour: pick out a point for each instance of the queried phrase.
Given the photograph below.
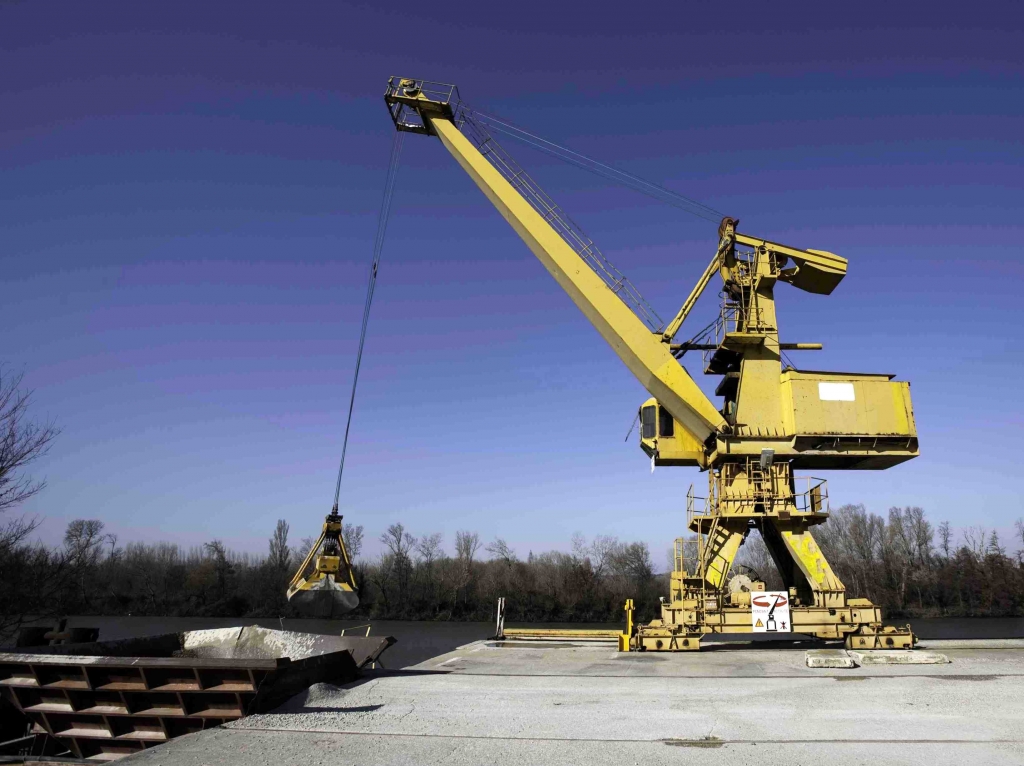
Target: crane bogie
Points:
(773, 418)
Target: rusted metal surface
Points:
(109, 699)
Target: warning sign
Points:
(770, 611)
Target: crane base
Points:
(858, 625)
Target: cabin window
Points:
(648, 428)
(666, 426)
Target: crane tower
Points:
(774, 419)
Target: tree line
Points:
(899, 561)
(412, 578)
(911, 568)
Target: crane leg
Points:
(704, 599)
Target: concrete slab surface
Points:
(898, 657)
(829, 658)
(576, 703)
(942, 644)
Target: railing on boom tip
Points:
(566, 228)
(407, 117)
(444, 100)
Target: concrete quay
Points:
(532, 702)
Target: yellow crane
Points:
(774, 419)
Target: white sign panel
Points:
(836, 392)
(770, 611)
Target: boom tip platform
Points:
(412, 102)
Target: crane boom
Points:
(774, 419)
(642, 351)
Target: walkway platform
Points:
(567, 703)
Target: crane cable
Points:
(622, 177)
(378, 246)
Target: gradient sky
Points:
(189, 200)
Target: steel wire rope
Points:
(564, 226)
(378, 246)
(624, 177)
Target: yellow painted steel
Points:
(814, 271)
(559, 633)
(691, 300)
(875, 405)
(625, 637)
(773, 419)
(324, 585)
(649, 359)
(672, 445)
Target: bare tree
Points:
(501, 550)
(353, 537)
(280, 553)
(580, 549)
(633, 561)
(380, 576)
(601, 551)
(907, 551)
(21, 443)
(400, 543)
(975, 540)
(83, 539)
(222, 567)
(429, 548)
(755, 556)
(945, 539)
(466, 545)
(34, 580)
(83, 548)
(303, 548)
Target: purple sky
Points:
(189, 201)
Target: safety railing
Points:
(811, 495)
(406, 116)
(368, 626)
(733, 317)
(686, 555)
(697, 506)
(738, 486)
(748, 263)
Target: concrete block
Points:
(829, 658)
(897, 657)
